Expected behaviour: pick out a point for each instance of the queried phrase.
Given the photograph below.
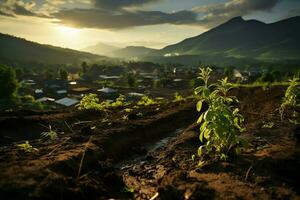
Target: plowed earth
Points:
(147, 154)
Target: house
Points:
(61, 91)
(177, 80)
(56, 84)
(45, 99)
(240, 76)
(135, 94)
(67, 102)
(50, 102)
(38, 91)
(106, 77)
(108, 93)
(28, 82)
(73, 83)
(107, 90)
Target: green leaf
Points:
(200, 150)
(203, 126)
(208, 115)
(201, 163)
(193, 157)
(199, 105)
(200, 119)
(207, 134)
(201, 136)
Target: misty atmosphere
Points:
(149, 99)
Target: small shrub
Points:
(291, 98)
(89, 102)
(92, 102)
(146, 101)
(221, 122)
(119, 102)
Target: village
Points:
(59, 93)
(133, 80)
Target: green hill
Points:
(15, 50)
(239, 39)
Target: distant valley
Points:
(232, 43)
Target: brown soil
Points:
(103, 156)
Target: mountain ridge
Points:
(101, 49)
(15, 49)
(132, 52)
(239, 38)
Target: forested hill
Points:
(14, 50)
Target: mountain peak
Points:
(237, 19)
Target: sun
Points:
(69, 32)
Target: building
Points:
(67, 102)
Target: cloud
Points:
(120, 14)
(293, 12)
(16, 7)
(94, 18)
(119, 4)
(215, 14)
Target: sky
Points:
(77, 24)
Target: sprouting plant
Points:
(177, 97)
(120, 101)
(128, 190)
(26, 147)
(146, 101)
(128, 110)
(89, 102)
(125, 117)
(268, 124)
(92, 102)
(291, 98)
(49, 135)
(139, 114)
(204, 75)
(221, 123)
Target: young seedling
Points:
(26, 147)
(221, 123)
(178, 97)
(125, 118)
(50, 135)
(146, 101)
(291, 98)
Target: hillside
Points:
(18, 50)
(101, 49)
(241, 39)
(131, 52)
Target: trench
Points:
(149, 148)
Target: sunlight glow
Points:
(69, 32)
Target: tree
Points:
(266, 77)
(228, 71)
(131, 80)
(19, 73)
(8, 82)
(84, 66)
(63, 74)
(49, 73)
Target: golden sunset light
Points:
(149, 99)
